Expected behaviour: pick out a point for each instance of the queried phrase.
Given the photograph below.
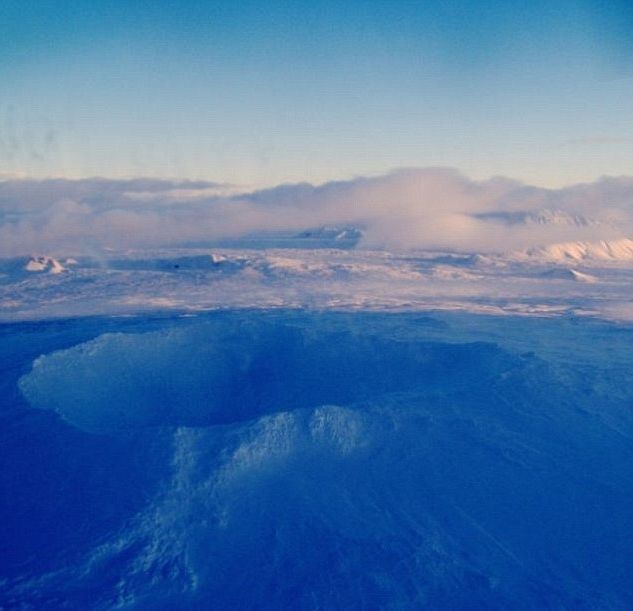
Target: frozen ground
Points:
(238, 428)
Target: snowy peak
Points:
(44, 263)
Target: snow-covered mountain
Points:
(603, 251)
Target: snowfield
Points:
(580, 278)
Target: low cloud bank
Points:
(435, 208)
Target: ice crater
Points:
(209, 374)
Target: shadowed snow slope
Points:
(289, 460)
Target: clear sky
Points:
(258, 93)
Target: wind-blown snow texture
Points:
(288, 459)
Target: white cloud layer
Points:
(414, 208)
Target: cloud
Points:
(409, 208)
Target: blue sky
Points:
(260, 93)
